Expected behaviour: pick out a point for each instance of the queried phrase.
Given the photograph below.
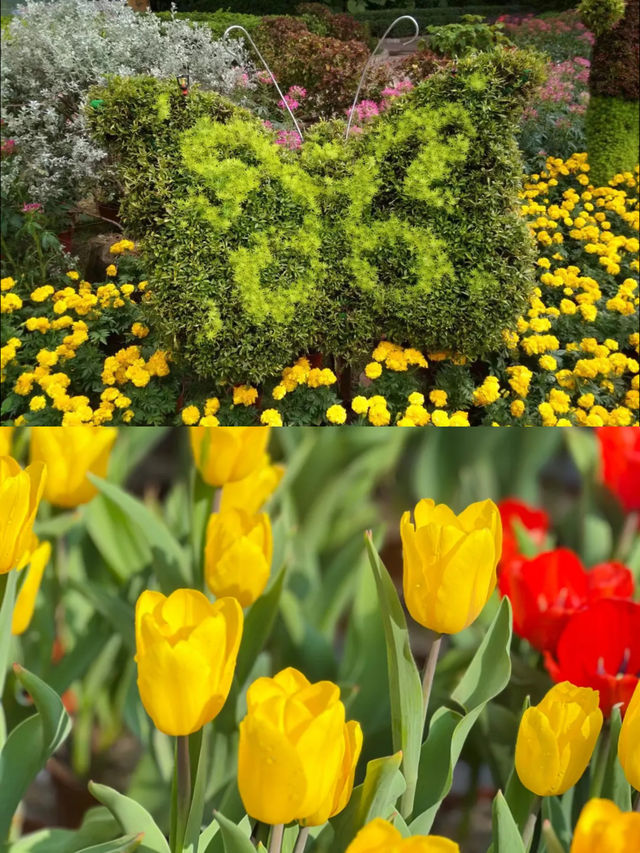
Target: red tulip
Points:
(620, 456)
(513, 513)
(548, 589)
(600, 648)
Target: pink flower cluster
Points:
(368, 109)
(289, 139)
(564, 82)
(8, 147)
(567, 24)
(292, 98)
(32, 207)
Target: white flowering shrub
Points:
(53, 52)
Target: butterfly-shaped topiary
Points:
(256, 254)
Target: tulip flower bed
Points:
(216, 642)
(80, 353)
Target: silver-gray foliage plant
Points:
(53, 52)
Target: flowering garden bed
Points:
(202, 650)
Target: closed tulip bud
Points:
(296, 756)
(26, 600)
(450, 563)
(251, 493)
(227, 454)
(238, 554)
(70, 453)
(20, 493)
(556, 739)
(380, 836)
(603, 828)
(629, 741)
(186, 650)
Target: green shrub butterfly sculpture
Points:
(257, 254)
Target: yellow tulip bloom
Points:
(296, 756)
(629, 741)
(556, 739)
(450, 563)
(251, 493)
(186, 650)
(70, 453)
(26, 600)
(6, 434)
(238, 555)
(227, 454)
(20, 493)
(603, 827)
(379, 836)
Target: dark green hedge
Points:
(379, 20)
(217, 21)
(245, 7)
(257, 254)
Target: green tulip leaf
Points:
(235, 838)
(614, 785)
(30, 745)
(405, 684)
(506, 836)
(258, 626)
(486, 676)
(132, 817)
(169, 559)
(6, 618)
(375, 797)
(559, 819)
(125, 844)
(116, 537)
(199, 776)
(68, 841)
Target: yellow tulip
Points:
(238, 555)
(227, 454)
(70, 453)
(251, 493)
(556, 739)
(380, 836)
(186, 650)
(603, 828)
(629, 741)
(6, 434)
(20, 493)
(450, 563)
(296, 756)
(26, 600)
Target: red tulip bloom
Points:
(548, 589)
(620, 456)
(600, 648)
(513, 513)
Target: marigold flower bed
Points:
(75, 352)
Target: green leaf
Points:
(559, 819)
(169, 560)
(130, 448)
(116, 537)
(486, 676)
(30, 745)
(404, 680)
(235, 838)
(6, 618)
(375, 797)
(125, 844)
(506, 836)
(132, 817)
(196, 811)
(258, 626)
(583, 447)
(614, 784)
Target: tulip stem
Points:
(637, 805)
(429, 672)
(183, 789)
(277, 834)
(530, 825)
(301, 841)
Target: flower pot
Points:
(109, 211)
(66, 239)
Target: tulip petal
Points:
(26, 600)
(537, 760)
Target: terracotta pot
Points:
(109, 211)
(66, 239)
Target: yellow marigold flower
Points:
(211, 406)
(415, 357)
(157, 364)
(416, 398)
(446, 583)
(73, 275)
(488, 392)
(20, 494)
(439, 418)
(360, 405)
(560, 401)
(208, 421)
(556, 739)
(321, 737)
(238, 554)
(40, 294)
(127, 289)
(7, 283)
(547, 414)
(602, 826)
(336, 414)
(379, 415)
(37, 403)
(244, 395)
(418, 414)
(405, 422)
(517, 408)
(111, 270)
(459, 419)
(382, 350)
(190, 415)
(547, 362)
(279, 392)
(586, 401)
(186, 650)
(10, 303)
(271, 417)
(127, 416)
(143, 285)
(438, 398)
(373, 370)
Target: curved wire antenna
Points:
(370, 60)
(268, 70)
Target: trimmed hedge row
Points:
(379, 20)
